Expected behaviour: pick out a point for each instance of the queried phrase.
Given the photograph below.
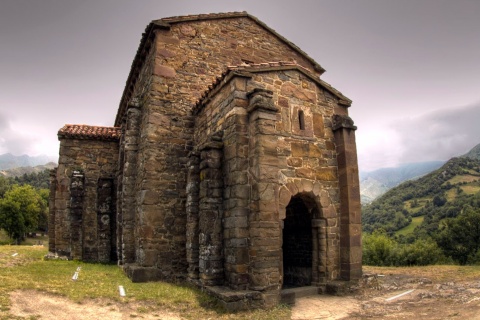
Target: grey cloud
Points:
(439, 135)
(12, 141)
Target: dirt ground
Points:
(388, 296)
(397, 296)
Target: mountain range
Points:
(20, 171)
(418, 207)
(9, 161)
(375, 183)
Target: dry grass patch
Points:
(438, 273)
(463, 178)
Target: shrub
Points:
(378, 248)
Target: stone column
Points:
(319, 252)
(51, 210)
(211, 214)
(119, 198)
(192, 208)
(350, 208)
(128, 206)
(264, 223)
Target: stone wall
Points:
(273, 126)
(84, 210)
(197, 176)
(188, 57)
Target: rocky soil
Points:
(396, 294)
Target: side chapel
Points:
(230, 164)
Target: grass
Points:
(463, 178)
(28, 270)
(416, 221)
(471, 188)
(451, 194)
(407, 205)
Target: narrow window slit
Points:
(301, 120)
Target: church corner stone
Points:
(243, 186)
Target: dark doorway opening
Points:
(297, 245)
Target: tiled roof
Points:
(245, 69)
(86, 132)
(165, 23)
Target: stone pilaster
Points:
(350, 209)
(265, 231)
(105, 220)
(119, 198)
(192, 207)
(211, 213)
(128, 205)
(237, 196)
(77, 194)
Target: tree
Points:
(460, 237)
(43, 216)
(439, 200)
(4, 185)
(19, 211)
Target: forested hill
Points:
(474, 153)
(424, 202)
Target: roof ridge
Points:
(148, 35)
(261, 67)
(248, 67)
(269, 64)
(204, 16)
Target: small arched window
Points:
(301, 120)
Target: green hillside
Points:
(440, 194)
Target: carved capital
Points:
(342, 121)
(261, 99)
(134, 103)
(215, 142)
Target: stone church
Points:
(231, 164)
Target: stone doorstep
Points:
(236, 300)
(288, 296)
(341, 287)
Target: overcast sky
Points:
(411, 67)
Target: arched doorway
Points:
(297, 244)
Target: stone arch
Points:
(301, 208)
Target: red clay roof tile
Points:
(86, 132)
